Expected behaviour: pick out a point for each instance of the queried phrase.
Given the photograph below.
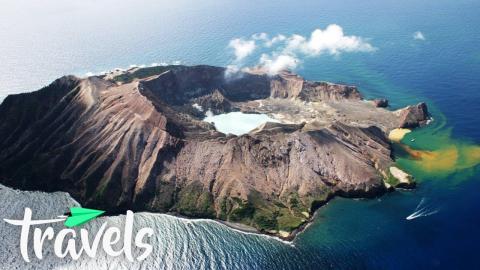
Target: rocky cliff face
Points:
(413, 116)
(134, 141)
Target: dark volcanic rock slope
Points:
(135, 142)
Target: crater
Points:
(237, 123)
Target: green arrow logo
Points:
(79, 216)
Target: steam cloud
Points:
(242, 48)
(287, 52)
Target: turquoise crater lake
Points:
(237, 123)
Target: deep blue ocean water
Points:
(41, 41)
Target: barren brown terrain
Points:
(135, 140)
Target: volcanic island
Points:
(137, 140)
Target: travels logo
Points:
(78, 216)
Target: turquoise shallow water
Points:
(41, 42)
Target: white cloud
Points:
(418, 36)
(334, 41)
(286, 52)
(242, 48)
(275, 64)
(232, 71)
(274, 40)
(268, 42)
(260, 36)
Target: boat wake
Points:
(423, 209)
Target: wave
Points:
(423, 209)
(179, 242)
(223, 224)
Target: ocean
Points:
(41, 41)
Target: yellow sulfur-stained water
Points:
(443, 160)
(472, 156)
(435, 152)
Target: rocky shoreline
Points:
(136, 140)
